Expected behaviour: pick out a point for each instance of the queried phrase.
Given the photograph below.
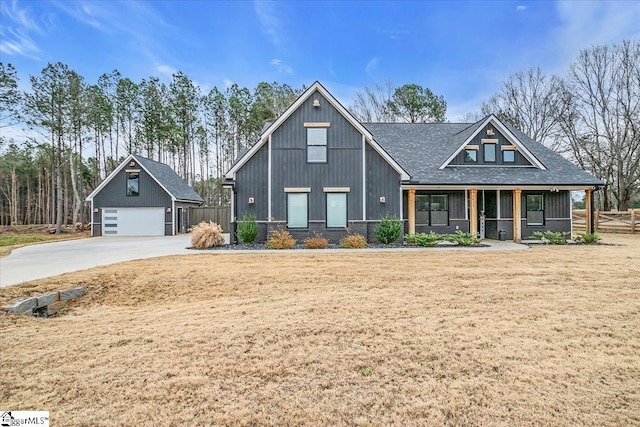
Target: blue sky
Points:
(461, 50)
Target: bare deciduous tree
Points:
(372, 103)
(532, 102)
(602, 126)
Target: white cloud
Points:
(227, 83)
(16, 26)
(521, 7)
(372, 65)
(584, 24)
(269, 20)
(166, 70)
(281, 67)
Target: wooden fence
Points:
(609, 221)
(221, 215)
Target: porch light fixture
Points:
(383, 199)
(555, 190)
(95, 210)
(316, 103)
(168, 210)
(251, 200)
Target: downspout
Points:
(364, 180)
(92, 218)
(268, 182)
(173, 216)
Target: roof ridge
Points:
(472, 124)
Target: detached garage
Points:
(141, 197)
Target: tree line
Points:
(590, 114)
(80, 131)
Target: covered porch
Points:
(500, 213)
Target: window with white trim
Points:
(336, 210)
(535, 209)
(316, 145)
(297, 210)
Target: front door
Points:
(488, 213)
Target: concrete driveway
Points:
(50, 259)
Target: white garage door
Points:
(133, 222)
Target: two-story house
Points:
(317, 168)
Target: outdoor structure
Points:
(141, 197)
(316, 168)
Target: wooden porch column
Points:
(473, 212)
(411, 215)
(588, 209)
(517, 215)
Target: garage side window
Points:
(133, 183)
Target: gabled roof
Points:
(162, 173)
(466, 136)
(422, 148)
(270, 128)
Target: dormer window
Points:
(471, 154)
(133, 183)
(508, 156)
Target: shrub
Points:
(318, 241)
(389, 229)
(462, 238)
(588, 238)
(280, 239)
(247, 229)
(206, 235)
(551, 237)
(353, 241)
(427, 239)
(410, 239)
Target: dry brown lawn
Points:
(10, 240)
(548, 336)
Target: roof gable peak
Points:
(503, 129)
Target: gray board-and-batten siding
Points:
(113, 195)
(343, 169)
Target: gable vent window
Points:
(508, 156)
(471, 156)
(489, 152)
(316, 145)
(133, 183)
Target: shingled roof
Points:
(169, 179)
(422, 148)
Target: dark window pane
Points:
(132, 183)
